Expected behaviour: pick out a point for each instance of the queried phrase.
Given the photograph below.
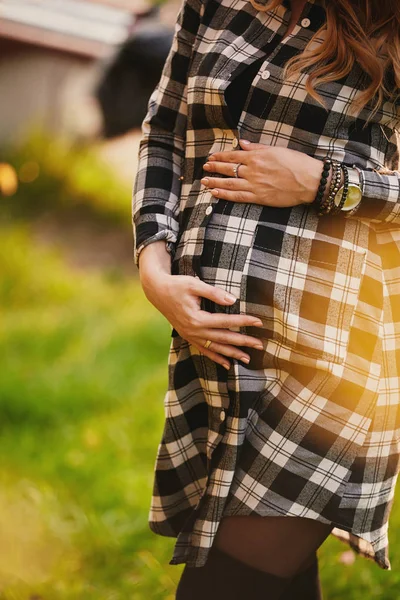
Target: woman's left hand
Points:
(269, 175)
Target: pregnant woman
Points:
(266, 215)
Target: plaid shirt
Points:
(310, 427)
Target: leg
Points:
(226, 578)
(305, 585)
(263, 558)
(279, 545)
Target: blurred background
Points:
(83, 355)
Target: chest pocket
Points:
(305, 290)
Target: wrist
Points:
(155, 285)
(154, 262)
(313, 172)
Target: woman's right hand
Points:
(178, 298)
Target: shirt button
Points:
(305, 22)
(234, 143)
(265, 74)
(209, 210)
(222, 415)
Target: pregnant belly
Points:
(294, 272)
(228, 238)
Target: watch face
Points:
(354, 196)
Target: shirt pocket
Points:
(305, 291)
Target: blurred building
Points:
(51, 52)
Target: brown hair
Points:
(363, 31)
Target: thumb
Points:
(217, 295)
(246, 145)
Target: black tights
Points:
(263, 558)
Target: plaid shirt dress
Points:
(310, 428)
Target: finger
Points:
(234, 196)
(221, 360)
(246, 145)
(231, 338)
(217, 295)
(225, 321)
(226, 350)
(235, 156)
(229, 183)
(226, 168)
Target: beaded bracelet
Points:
(338, 208)
(335, 185)
(327, 204)
(318, 201)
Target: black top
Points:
(237, 91)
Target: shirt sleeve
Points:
(380, 196)
(156, 190)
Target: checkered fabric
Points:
(311, 426)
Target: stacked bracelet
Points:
(334, 186)
(327, 205)
(338, 208)
(320, 203)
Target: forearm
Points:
(154, 263)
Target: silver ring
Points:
(235, 169)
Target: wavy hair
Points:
(362, 31)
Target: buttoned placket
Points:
(232, 132)
(232, 135)
(276, 41)
(217, 421)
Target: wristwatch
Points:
(354, 194)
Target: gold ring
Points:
(207, 344)
(235, 169)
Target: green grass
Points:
(81, 386)
(82, 380)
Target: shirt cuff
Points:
(380, 196)
(168, 236)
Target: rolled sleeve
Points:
(157, 186)
(380, 196)
(165, 235)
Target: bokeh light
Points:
(8, 180)
(29, 172)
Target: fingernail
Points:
(210, 157)
(245, 142)
(206, 165)
(230, 297)
(245, 359)
(259, 347)
(227, 366)
(257, 322)
(205, 180)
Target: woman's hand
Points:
(177, 297)
(269, 175)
